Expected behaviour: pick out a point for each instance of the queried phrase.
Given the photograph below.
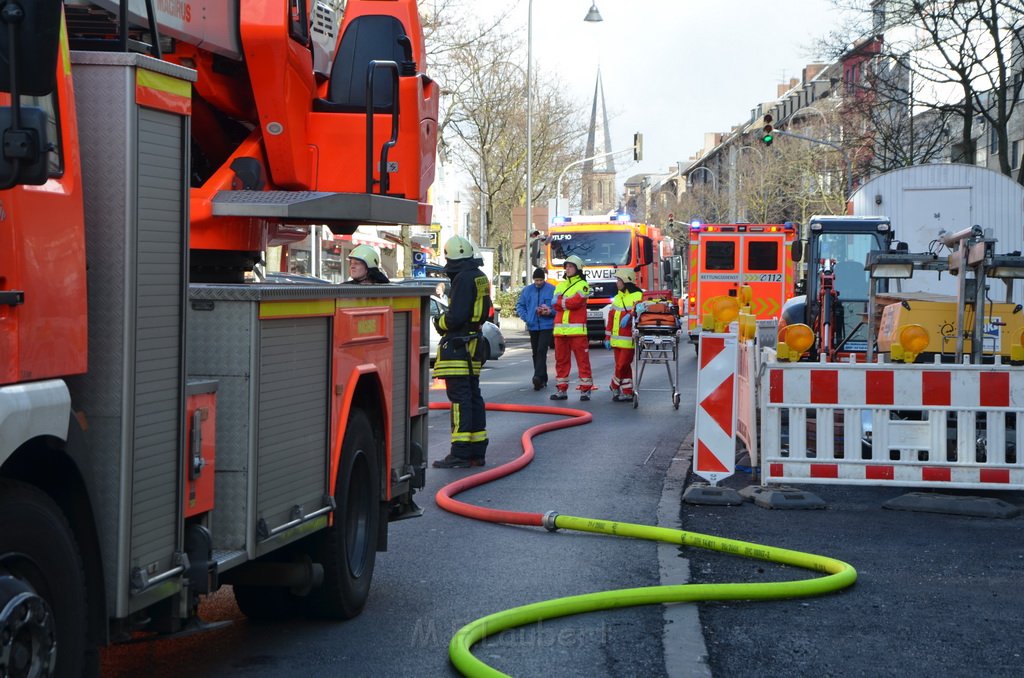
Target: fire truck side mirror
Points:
(23, 159)
(675, 263)
(536, 249)
(30, 50)
(796, 251)
(646, 250)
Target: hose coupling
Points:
(549, 521)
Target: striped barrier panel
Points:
(714, 427)
(750, 358)
(746, 397)
(939, 425)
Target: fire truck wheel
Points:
(45, 586)
(348, 548)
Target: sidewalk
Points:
(514, 330)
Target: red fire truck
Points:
(166, 428)
(605, 244)
(724, 257)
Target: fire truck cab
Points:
(724, 257)
(605, 243)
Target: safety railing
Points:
(934, 425)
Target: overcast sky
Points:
(673, 69)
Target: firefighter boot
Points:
(559, 395)
(451, 461)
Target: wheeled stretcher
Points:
(656, 331)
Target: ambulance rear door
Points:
(718, 271)
(764, 259)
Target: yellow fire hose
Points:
(838, 574)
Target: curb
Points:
(686, 655)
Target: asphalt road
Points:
(936, 594)
(442, 571)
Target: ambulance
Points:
(724, 257)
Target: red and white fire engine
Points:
(166, 428)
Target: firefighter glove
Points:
(607, 344)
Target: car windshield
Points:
(608, 248)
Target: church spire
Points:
(599, 174)
(599, 137)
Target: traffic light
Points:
(638, 146)
(766, 132)
(671, 222)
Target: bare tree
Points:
(882, 113)
(941, 65)
(702, 202)
(483, 127)
(979, 42)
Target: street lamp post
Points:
(593, 16)
(795, 113)
(736, 181)
(842, 151)
(714, 178)
(558, 185)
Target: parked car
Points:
(492, 333)
(443, 287)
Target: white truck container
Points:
(925, 199)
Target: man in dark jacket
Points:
(461, 354)
(534, 307)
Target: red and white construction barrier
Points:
(746, 397)
(714, 431)
(934, 425)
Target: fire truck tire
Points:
(348, 548)
(39, 554)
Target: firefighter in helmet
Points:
(364, 267)
(570, 307)
(618, 333)
(461, 353)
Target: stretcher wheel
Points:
(675, 400)
(636, 400)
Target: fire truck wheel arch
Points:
(37, 554)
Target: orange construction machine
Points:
(161, 436)
(726, 257)
(606, 244)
